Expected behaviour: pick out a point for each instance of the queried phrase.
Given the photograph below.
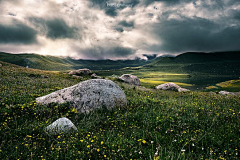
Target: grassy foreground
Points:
(154, 125)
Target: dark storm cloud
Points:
(17, 33)
(235, 14)
(195, 34)
(99, 52)
(106, 48)
(126, 24)
(55, 28)
(119, 29)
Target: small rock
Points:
(95, 76)
(131, 79)
(226, 93)
(79, 77)
(168, 86)
(61, 125)
(0, 65)
(83, 71)
(183, 90)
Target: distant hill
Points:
(53, 63)
(200, 57)
(217, 63)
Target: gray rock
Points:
(131, 79)
(61, 125)
(83, 71)
(226, 93)
(183, 90)
(78, 77)
(168, 86)
(88, 95)
(95, 76)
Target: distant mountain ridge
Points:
(201, 57)
(189, 59)
(59, 63)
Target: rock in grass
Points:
(131, 79)
(0, 65)
(226, 93)
(61, 125)
(88, 95)
(168, 86)
(183, 90)
(172, 87)
(94, 75)
(81, 72)
(78, 77)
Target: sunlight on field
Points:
(155, 82)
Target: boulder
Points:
(88, 95)
(168, 86)
(78, 77)
(183, 90)
(131, 79)
(95, 76)
(226, 93)
(83, 71)
(61, 125)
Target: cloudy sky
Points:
(117, 29)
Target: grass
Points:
(194, 125)
(232, 86)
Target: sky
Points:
(115, 29)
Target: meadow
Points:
(154, 125)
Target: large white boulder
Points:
(131, 79)
(61, 125)
(88, 95)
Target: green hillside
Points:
(52, 63)
(155, 124)
(193, 70)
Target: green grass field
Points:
(154, 124)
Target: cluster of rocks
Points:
(84, 97)
(83, 72)
(171, 86)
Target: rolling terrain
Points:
(52, 63)
(154, 124)
(195, 70)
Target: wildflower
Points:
(98, 150)
(144, 142)
(183, 150)
(105, 155)
(152, 142)
(102, 142)
(140, 152)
